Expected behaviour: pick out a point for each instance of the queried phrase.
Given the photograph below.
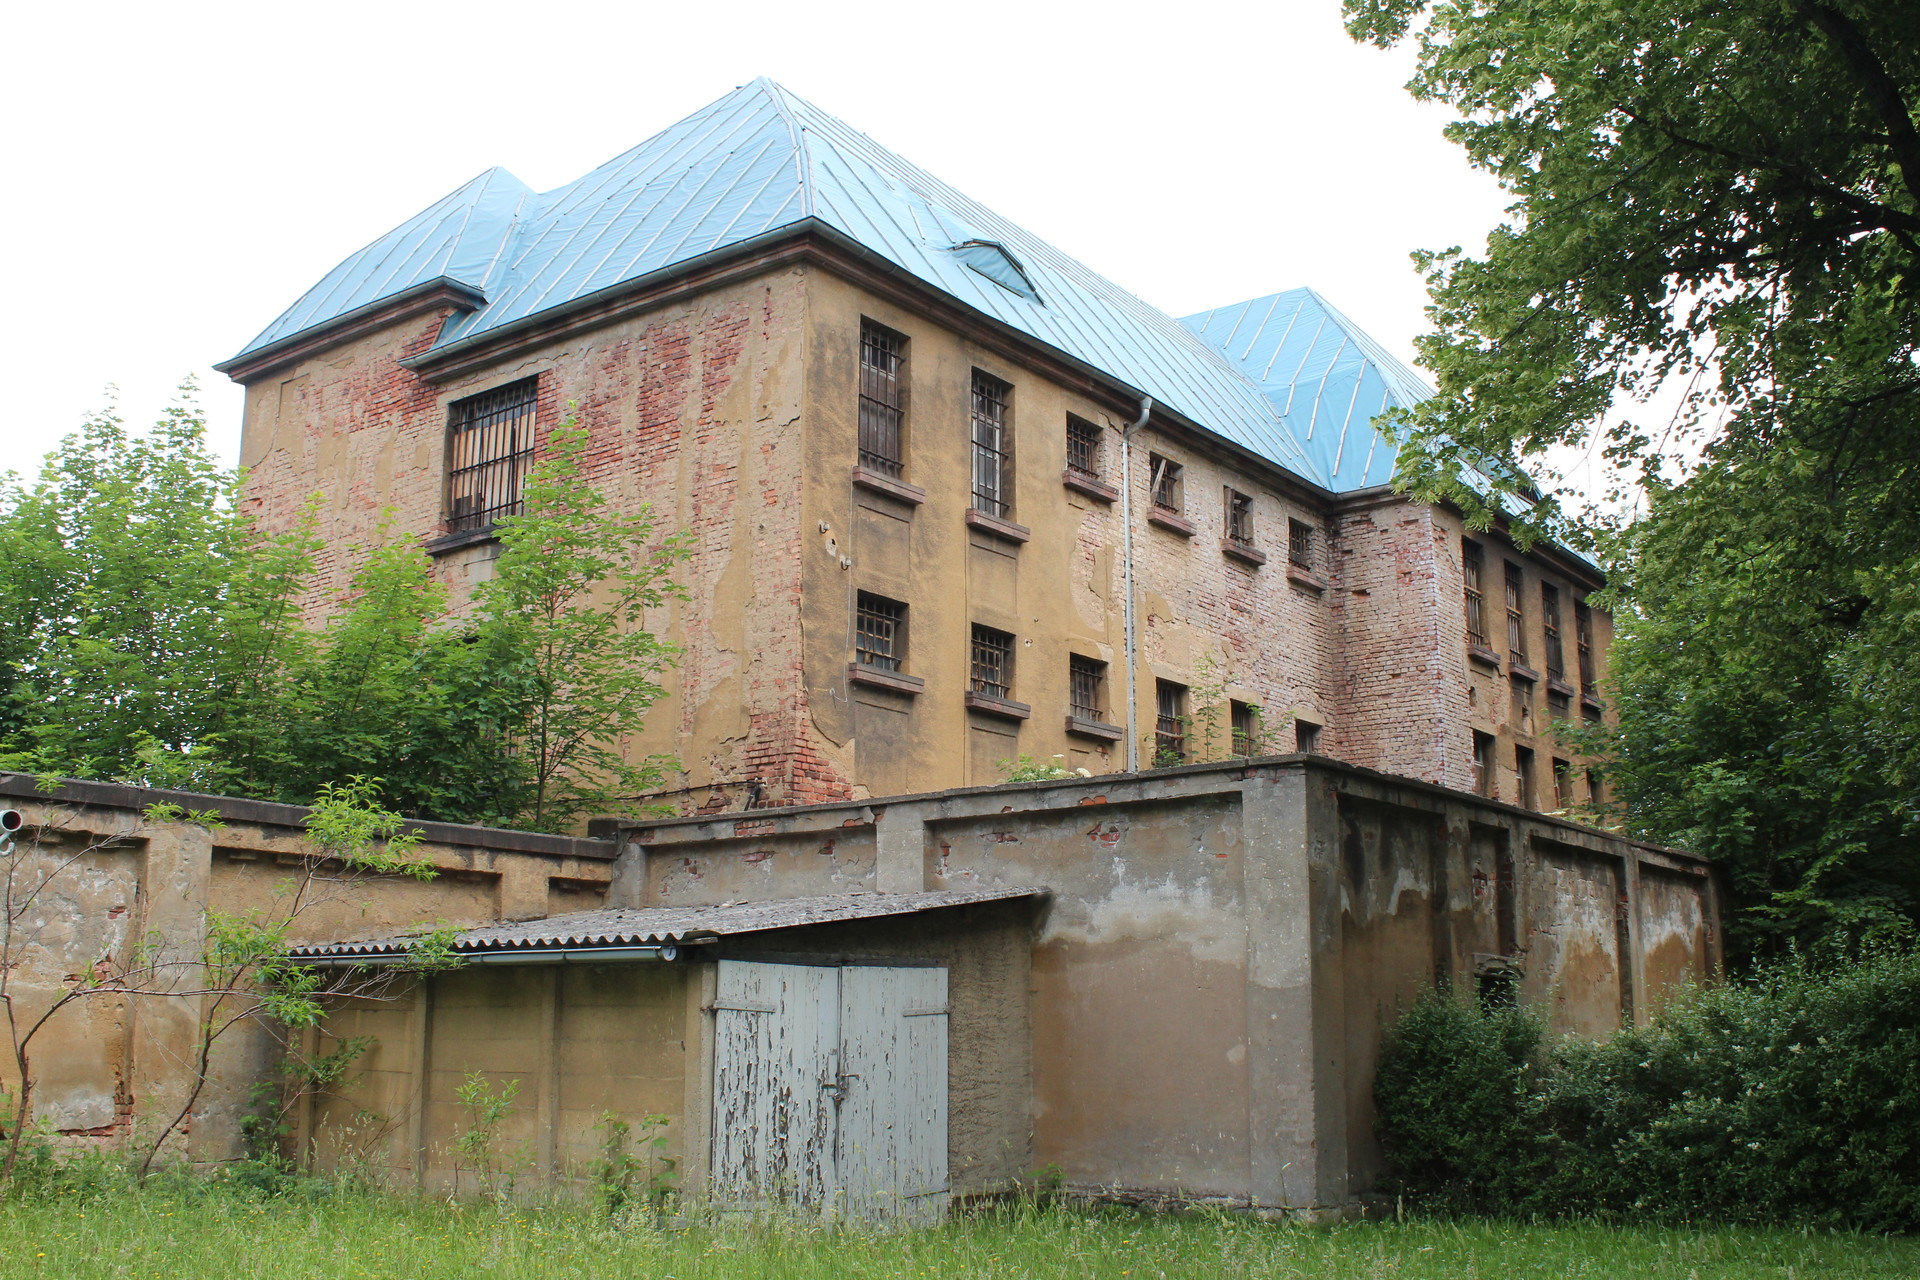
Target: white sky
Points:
(184, 172)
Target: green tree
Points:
(1711, 273)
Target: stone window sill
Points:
(1007, 529)
(1521, 671)
(1005, 708)
(1590, 702)
(880, 678)
(911, 494)
(454, 541)
(1559, 686)
(1098, 490)
(1305, 578)
(1171, 521)
(1086, 728)
(1484, 656)
(1243, 552)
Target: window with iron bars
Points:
(883, 399)
(1083, 448)
(1167, 476)
(1550, 626)
(489, 448)
(1239, 518)
(1300, 543)
(1483, 744)
(880, 632)
(992, 446)
(1247, 734)
(1516, 615)
(1472, 562)
(1170, 725)
(1583, 641)
(992, 662)
(1087, 687)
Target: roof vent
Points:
(991, 259)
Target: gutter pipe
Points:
(666, 951)
(1126, 574)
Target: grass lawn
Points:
(362, 1237)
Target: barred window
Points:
(1239, 518)
(1087, 687)
(489, 448)
(1559, 706)
(1300, 543)
(1583, 640)
(992, 446)
(880, 632)
(1246, 728)
(883, 399)
(1472, 562)
(992, 662)
(1483, 763)
(1083, 448)
(1550, 625)
(1170, 725)
(1516, 615)
(1168, 482)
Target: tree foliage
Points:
(1711, 274)
(149, 633)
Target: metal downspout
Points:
(1126, 575)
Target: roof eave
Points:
(425, 296)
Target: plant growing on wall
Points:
(487, 1109)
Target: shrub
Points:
(1792, 1096)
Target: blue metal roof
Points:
(1287, 377)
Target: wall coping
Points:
(267, 813)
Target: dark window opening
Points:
(489, 448)
(1550, 626)
(1483, 763)
(1523, 776)
(880, 632)
(1170, 724)
(1083, 448)
(1247, 734)
(1583, 638)
(1497, 989)
(1559, 706)
(1239, 518)
(1562, 784)
(1471, 563)
(1596, 788)
(1300, 544)
(883, 399)
(992, 446)
(1306, 736)
(992, 662)
(1168, 483)
(1516, 616)
(1087, 687)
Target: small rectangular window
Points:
(1083, 448)
(1239, 511)
(1300, 548)
(1170, 723)
(880, 632)
(1583, 638)
(489, 448)
(1472, 561)
(992, 447)
(1087, 687)
(1168, 479)
(1550, 629)
(1516, 616)
(1562, 784)
(883, 399)
(992, 662)
(1483, 763)
(1559, 706)
(1306, 736)
(1247, 734)
(1523, 775)
(1596, 789)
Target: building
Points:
(920, 450)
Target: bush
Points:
(1793, 1096)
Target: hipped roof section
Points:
(1285, 376)
(656, 926)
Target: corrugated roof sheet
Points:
(648, 926)
(1297, 385)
